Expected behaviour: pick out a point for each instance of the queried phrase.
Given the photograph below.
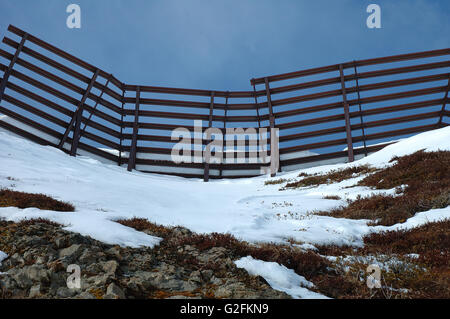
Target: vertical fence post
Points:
(260, 147)
(208, 150)
(360, 109)
(444, 103)
(348, 128)
(224, 134)
(132, 155)
(11, 65)
(121, 126)
(271, 118)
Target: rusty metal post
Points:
(121, 127)
(259, 118)
(208, 150)
(224, 134)
(360, 109)
(95, 106)
(271, 117)
(76, 119)
(11, 65)
(348, 129)
(132, 155)
(444, 103)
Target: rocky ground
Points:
(40, 252)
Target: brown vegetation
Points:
(26, 200)
(423, 183)
(333, 176)
(141, 224)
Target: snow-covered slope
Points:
(245, 208)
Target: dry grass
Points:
(275, 181)
(141, 224)
(332, 197)
(427, 179)
(333, 176)
(22, 200)
(305, 263)
(430, 241)
(34, 221)
(427, 276)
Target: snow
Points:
(280, 278)
(88, 223)
(433, 215)
(245, 208)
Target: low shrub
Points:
(141, 224)
(22, 200)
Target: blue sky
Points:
(222, 44)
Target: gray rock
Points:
(85, 295)
(65, 292)
(8, 283)
(35, 291)
(115, 291)
(71, 252)
(87, 257)
(183, 297)
(61, 242)
(110, 267)
(37, 273)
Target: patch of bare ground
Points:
(423, 275)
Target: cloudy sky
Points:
(221, 45)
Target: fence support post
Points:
(271, 119)
(95, 106)
(444, 103)
(224, 134)
(132, 155)
(11, 65)
(360, 109)
(121, 126)
(260, 147)
(208, 150)
(76, 119)
(348, 128)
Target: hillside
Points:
(307, 221)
